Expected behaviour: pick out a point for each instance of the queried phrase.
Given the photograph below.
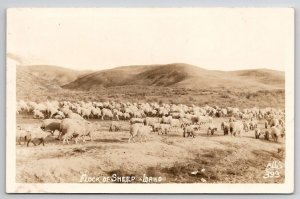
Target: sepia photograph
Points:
(150, 100)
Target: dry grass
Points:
(220, 97)
(225, 159)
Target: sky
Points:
(95, 39)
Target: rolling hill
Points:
(57, 75)
(178, 75)
(170, 83)
(36, 79)
(43, 78)
(28, 83)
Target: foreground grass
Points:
(214, 159)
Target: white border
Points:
(287, 187)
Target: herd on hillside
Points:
(69, 121)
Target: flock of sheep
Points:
(70, 120)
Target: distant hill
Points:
(170, 83)
(264, 76)
(29, 83)
(57, 75)
(43, 78)
(37, 79)
(179, 75)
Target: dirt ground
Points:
(166, 158)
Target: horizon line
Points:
(141, 65)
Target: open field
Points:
(217, 158)
(177, 90)
(200, 97)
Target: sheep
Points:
(232, 119)
(66, 110)
(50, 125)
(164, 128)
(96, 112)
(274, 122)
(21, 133)
(67, 124)
(139, 130)
(275, 133)
(166, 120)
(185, 122)
(205, 119)
(107, 113)
(151, 120)
(22, 106)
(281, 151)
(246, 116)
(72, 132)
(38, 114)
(195, 119)
(252, 125)
(196, 127)
(176, 115)
(117, 114)
(246, 126)
(189, 131)
(74, 116)
(35, 133)
(267, 135)
(114, 127)
(224, 112)
(266, 124)
(175, 123)
(126, 116)
(90, 129)
(211, 129)
(281, 122)
(155, 127)
(257, 133)
(71, 128)
(236, 127)
(223, 125)
(58, 117)
(226, 129)
(86, 112)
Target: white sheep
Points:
(139, 130)
(236, 127)
(78, 129)
(37, 114)
(164, 128)
(35, 133)
(106, 113)
(211, 129)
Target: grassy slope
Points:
(179, 75)
(172, 83)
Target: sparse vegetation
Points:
(222, 98)
(214, 159)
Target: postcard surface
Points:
(150, 100)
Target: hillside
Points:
(264, 76)
(171, 83)
(30, 84)
(179, 75)
(57, 75)
(43, 78)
